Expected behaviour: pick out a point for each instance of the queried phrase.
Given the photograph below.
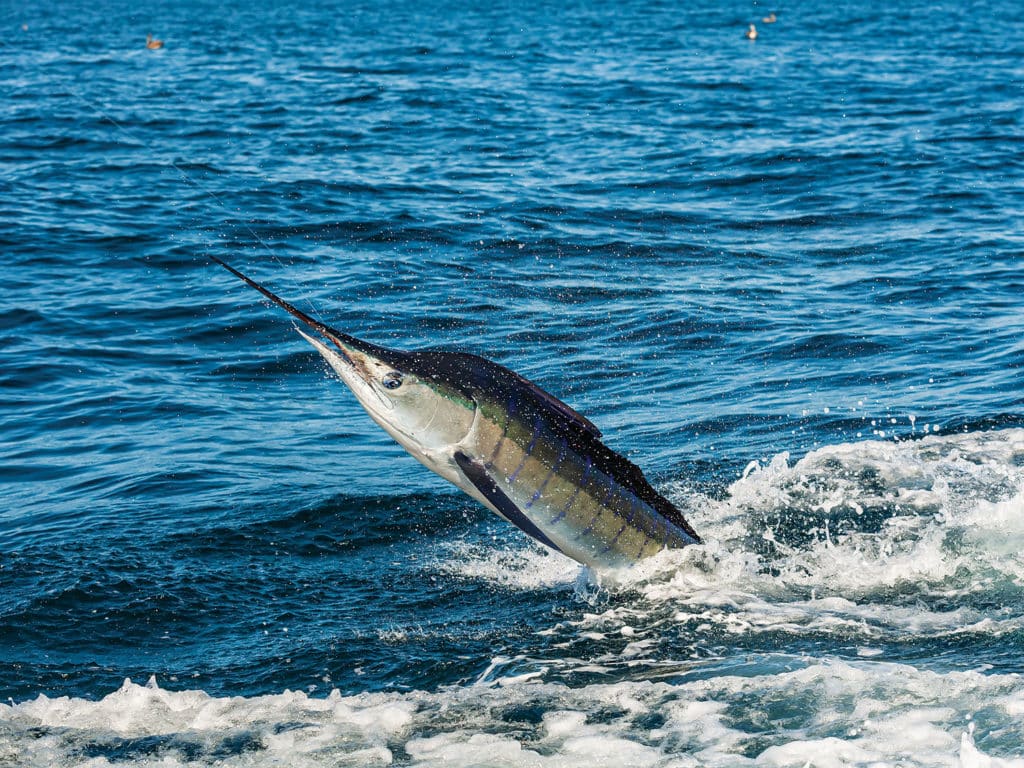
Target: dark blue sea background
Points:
(784, 276)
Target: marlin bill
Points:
(507, 443)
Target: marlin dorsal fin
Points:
(552, 404)
(472, 373)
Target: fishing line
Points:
(185, 175)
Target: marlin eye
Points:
(392, 380)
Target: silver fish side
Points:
(543, 467)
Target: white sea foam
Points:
(826, 713)
(526, 568)
(892, 539)
(859, 547)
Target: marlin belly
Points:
(573, 493)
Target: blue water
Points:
(721, 251)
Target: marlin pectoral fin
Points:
(478, 475)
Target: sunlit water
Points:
(783, 276)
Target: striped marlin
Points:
(507, 443)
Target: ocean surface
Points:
(784, 276)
